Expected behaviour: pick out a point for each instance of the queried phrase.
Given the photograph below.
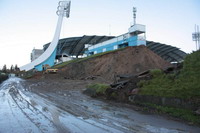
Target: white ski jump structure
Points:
(48, 57)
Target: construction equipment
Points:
(50, 70)
(47, 69)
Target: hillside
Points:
(127, 61)
(184, 84)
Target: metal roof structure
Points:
(75, 46)
(167, 52)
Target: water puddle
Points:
(24, 111)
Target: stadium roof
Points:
(167, 52)
(74, 46)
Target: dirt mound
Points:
(129, 61)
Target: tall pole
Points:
(48, 57)
(198, 36)
(134, 15)
(195, 36)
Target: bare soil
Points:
(129, 61)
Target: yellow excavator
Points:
(47, 69)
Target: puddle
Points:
(25, 111)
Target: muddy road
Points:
(25, 107)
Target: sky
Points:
(28, 24)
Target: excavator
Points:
(47, 69)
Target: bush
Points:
(3, 77)
(114, 95)
(185, 85)
(156, 72)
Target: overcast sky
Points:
(28, 24)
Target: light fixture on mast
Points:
(64, 8)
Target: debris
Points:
(197, 111)
(135, 91)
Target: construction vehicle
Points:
(47, 69)
(51, 70)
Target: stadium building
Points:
(66, 49)
(74, 47)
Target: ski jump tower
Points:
(48, 57)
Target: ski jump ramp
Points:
(48, 57)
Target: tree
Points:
(4, 69)
(16, 68)
(11, 68)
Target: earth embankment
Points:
(127, 61)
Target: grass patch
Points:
(65, 63)
(184, 85)
(96, 89)
(100, 89)
(183, 114)
(83, 59)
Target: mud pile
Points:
(128, 61)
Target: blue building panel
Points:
(141, 42)
(132, 41)
(110, 48)
(99, 50)
(49, 61)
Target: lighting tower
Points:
(134, 15)
(49, 55)
(63, 8)
(196, 37)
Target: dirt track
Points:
(47, 106)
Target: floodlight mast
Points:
(134, 15)
(63, 8)
(48, 57)
(196, 37)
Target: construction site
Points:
(101, 84)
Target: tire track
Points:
(43, 123)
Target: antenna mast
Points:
(134, 15)
(196, 36)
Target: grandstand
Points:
(75, 47)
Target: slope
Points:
(127, 61)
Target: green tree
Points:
(4, 69)
(11, 68)
(16, 68)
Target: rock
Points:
(197, 111)
(131, 98)
(135, 91)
